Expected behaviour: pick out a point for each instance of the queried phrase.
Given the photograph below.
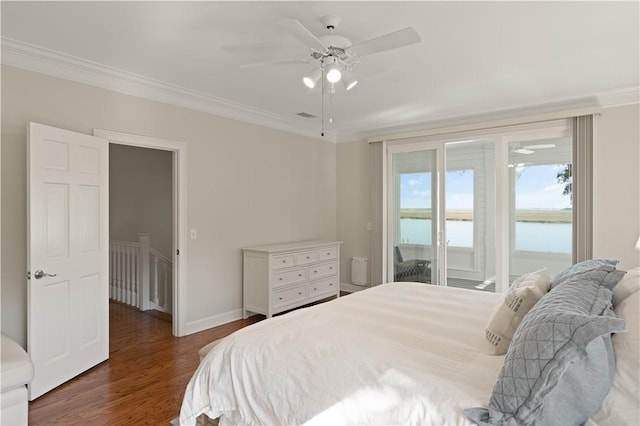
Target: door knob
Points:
(41, 274)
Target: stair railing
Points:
(139, 275)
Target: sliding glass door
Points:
(413, 225)
(470, 198)
(477, 211)
(540, 203)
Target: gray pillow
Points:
(582, 388)
(562, 343)
(579, 268)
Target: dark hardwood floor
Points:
(143, 381)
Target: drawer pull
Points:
(315, 289)
(300, 293)
(280, 278)
(328, 254)
(284, 261)
(330, 267)
(280, 298)
(331, 284)
(299, 275)
(315, 272)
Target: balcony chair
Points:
(414, 270)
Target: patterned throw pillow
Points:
(511, 309)
(562, 343)
(578, 268)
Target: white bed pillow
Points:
(512, 307)
(628, 285)
(622, 404)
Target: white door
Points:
(68, 262)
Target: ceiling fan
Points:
(531, 149)
(334, 55)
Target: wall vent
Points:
(305, 115)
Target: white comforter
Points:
(401, 353)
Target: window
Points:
(459, 202)
(486, 206)
(543, 208)
(415, 208)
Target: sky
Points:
(536, 188)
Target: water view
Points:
(551, 233)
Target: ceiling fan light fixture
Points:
(334, 75)
(348, 80)
(311, 79)
(333, 71)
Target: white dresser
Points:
(284, 276)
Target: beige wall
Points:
(354, 203)
(247, 184)
(616, 182)
(250, 185)
(140, 195)
(616, 191)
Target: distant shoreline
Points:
(530, 215)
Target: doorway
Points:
(140, 222)
(177, 248)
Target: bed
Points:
(397, 353)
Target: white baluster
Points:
(135, 273)
(162, 290)
(121, 274)
(155, 280)
(143, 264)
(131, 270)
(110, 270)
(128, 270)
(125, 262)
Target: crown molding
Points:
(620, 97)
(38, 59)
(50, 62)
(609, 99)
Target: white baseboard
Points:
(214, 321)
(352, 288)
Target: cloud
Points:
(547, 197)
(459, 201)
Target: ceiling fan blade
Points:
(389, 41)
(543, 146)
(302, 34)
(263, 64)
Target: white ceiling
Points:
(475, 58)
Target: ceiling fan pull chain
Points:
(322, 106)
(331, 104)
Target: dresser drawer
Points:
(285, 261)
(326, 286)
(328, 253)
(289, 277)
(288, 296)
(280, 277)
(323, 270)
(306, 258)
